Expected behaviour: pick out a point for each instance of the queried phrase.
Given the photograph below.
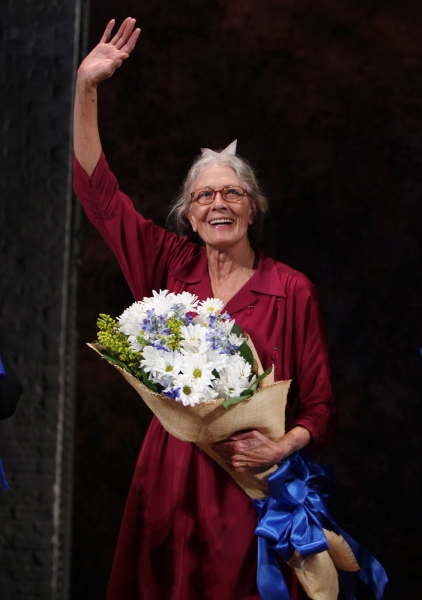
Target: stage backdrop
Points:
(324, 99)
(39, 51)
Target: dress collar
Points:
(194, 270)
(265, 280)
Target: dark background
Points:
(325, 100)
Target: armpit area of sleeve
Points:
(82, 183)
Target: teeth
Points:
(221, 221)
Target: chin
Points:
(222, 243)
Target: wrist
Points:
(295, 439)
(85, 84)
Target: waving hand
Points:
(100, 64)
(109, 54)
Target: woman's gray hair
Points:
(177, 220)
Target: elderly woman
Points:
(188, 529)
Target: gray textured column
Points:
(38, 232)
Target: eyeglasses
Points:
(231, 193)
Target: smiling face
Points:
(221, 224)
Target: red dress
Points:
(188, 529)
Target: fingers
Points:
(229, 448)
(107, 31)
(240, 467)
(125, 38)
(131, 42)
(127, 34)
(233, 452)
(241, 464)
(124, 33)
(120, 31)
(252, 434)
(247, 452)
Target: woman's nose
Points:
(218, 200)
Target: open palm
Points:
(108, 55)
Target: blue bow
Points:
(292, 517)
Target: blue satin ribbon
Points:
(291, 518)
(2, 369)
(3, 481)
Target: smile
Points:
(221, 222)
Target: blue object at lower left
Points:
(3, 481)
(2, 369)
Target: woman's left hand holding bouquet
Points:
(253, 451)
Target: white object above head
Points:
(229, 151)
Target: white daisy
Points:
(189, 394)
(198, 368)
(161, 302)
(234, 378)
(160, 364)
(131, 319)
(236, 340)
(238, 367)
(194, 339)
(210, 306)
(226, 325)
(187, 300)
(218, 359)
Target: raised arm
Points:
(100, 64)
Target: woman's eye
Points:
(233, 192)
(203, 194)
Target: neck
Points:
(222, 264)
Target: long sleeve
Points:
(145, 251)
(317, 411)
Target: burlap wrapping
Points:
(210, 422)
(265, 411)
(318, 573)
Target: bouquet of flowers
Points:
(197, 372)
(189, 358)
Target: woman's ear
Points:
(191, 218)
(254, 210)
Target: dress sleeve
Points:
(317, 411)
(145, 251)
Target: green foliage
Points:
(236, 329)
(119, 350)
(243, 396)
(258, 380)
(248, 392)
(174, 338)
(246, 353)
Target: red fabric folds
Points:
(190, 527)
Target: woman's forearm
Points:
(295, 439)
(86, 136)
